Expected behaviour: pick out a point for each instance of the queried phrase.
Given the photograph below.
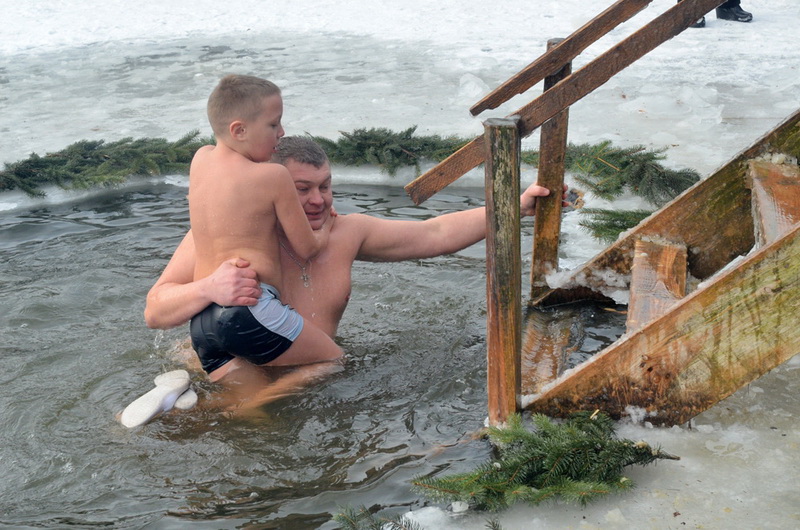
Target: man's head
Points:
(308, 164)
(300, 149)
(247, 110)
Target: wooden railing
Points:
(571, 89)
(562, 89)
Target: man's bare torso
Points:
(329, 277)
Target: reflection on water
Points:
(76, 351)
(561, 337)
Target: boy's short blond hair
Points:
(237, 97)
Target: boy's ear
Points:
(237, 130)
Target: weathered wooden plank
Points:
(713, 236)
(712, 218)
(776, 198)
(658, 280)
(551, 61)
(503, 274)
(727, 333)
(547, 221)
(545, 347)
(567, 92)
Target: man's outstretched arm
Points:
(392, 240)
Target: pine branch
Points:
(493, 525)
(607, 225)
(606, 170)
(387, 149)
(362, 519)
(609, 171)
(578, 461)
(87, 164)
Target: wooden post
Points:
(503, 267)
(547, 223)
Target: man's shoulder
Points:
(357, 222)
(355, 231)
(352, 227)
(347, 223)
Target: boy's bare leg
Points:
(248, 387)
(312, 346)
(312, 356)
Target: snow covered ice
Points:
(86, 69)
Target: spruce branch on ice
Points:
(577, 460)
(607, 171)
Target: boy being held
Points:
(238, 203)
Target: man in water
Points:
(318, 289)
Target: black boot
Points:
(701, 23)
(734, 13)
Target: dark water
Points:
(75, 351)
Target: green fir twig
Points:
(605, 170)
(607, 225)
(388, 149)
(88, 164)
(578, 461)
(362, 519)
(609, 171)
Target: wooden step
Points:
(776, 199)
(658, 280)
(725, 334)
(738, 323)
(559, 338)
(545, 348)
(713, 218)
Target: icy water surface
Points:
(74, 270)
(73, 277)
(76, 351)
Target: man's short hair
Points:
(237, 97)
(301, 149)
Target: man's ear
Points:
(238, 130)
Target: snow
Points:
(85, 69)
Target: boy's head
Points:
(237, 97)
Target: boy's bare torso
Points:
(232, 210)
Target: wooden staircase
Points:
(714, 276)
(736, 237)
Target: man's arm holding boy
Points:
(175, 297)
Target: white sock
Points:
(169, 377)
(169, 387)
(186, 400)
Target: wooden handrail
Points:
(554, 58)
(567, 92)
